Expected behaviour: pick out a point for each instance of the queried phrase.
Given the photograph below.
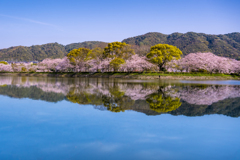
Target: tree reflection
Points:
(83, 98)
(117, 96)
(162, 103)
(116, 101)
(117, 104)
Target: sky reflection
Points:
(33, 129)
(215, 82)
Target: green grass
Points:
(140, 74)
(169, 74)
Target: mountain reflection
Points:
(151, 98)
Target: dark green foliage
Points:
(227, 45)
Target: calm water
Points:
(82, 118)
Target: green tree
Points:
(96, 54)
(160, 54)
(24, 69)
(78, 56)
(118, 50)
(3, 62)
(116, 63)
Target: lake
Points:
(93, 118)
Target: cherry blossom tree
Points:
(193, 62)
(137, 64)
(205, 62)
(6, 68)
(64, 66)
(103, 66)
(48, 65)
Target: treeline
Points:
(227, 45)
(120, 57)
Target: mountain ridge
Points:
(227, 45)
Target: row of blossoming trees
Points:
(120, 57)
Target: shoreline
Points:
(130, 76)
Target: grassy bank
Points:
(134, 75)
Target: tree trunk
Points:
(160, 67)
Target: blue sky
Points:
(28, 22)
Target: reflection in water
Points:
(208, 94)
(162, 102)
(117, 95)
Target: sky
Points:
(29, 22)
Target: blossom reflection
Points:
(118, 96)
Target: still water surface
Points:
(84, 118)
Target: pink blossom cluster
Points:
(48, 65)
(64, 65)
(18, 67)
(192, 62)
(205, 61)
(5, 68)
(134, 63)
(137, 64)
(96, 65)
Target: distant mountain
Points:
(40, 52)
(227, 45)
(88, 44)
(37, 52)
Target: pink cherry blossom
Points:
(205, 61)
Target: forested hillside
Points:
(89, 44)
(37, 52)
(40, 52)
(227, 45)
